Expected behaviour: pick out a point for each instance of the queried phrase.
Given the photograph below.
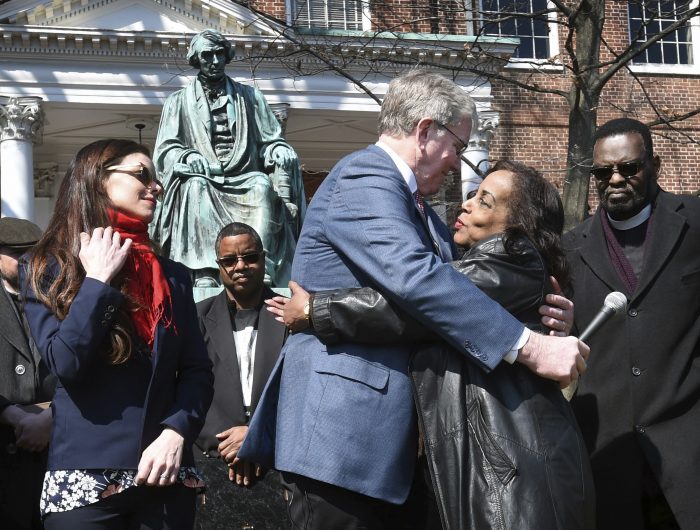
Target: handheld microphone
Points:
(614, 303)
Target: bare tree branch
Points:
(624, 58)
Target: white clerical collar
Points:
(632, 222)
(401, 165)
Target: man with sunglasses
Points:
(243, 341)
(639, 403)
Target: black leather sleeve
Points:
(518, 282)
(362, 315)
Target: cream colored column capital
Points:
(482, 136)
(21, 119)
(478, 151)
(281, 111)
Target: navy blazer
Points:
(346, 414)
(105, 415)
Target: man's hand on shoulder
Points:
(562, 359)
(558, 312)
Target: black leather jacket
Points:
(503, 447)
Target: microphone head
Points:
(615, 301)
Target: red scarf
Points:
(146, 282)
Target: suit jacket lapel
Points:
(427, 222)
(666, 228)
(267, 348)
(14, 334)
(594, 251)
(444, 248)
(221, 337)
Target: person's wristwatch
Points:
(307, 311)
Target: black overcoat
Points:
(639, 399)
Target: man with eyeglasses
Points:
(346, 435)
(243, 341)
(639, 403)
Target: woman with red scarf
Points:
(117, 325)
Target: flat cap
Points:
(18, 234)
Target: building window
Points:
(648, 18)
(328, 14)
(528, 20)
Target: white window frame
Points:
(676, 69)
(290, 6)
(524, 63)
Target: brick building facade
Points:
(70, 74)
(534, 126)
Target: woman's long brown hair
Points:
(81, 206)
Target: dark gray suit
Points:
(227, 504)
(24, 379)
(640, 397)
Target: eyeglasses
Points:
(462, 149)
(139, 172)
(625, 169)
(228, 262)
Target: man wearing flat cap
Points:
(25, 389)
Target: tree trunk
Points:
(587, 20)
(582, 124)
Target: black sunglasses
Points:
(139, 172)
(230, 261)
(626, 169)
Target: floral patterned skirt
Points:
(66, 490)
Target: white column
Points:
(478, 151)
(21, 121)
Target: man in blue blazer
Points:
(346, 437)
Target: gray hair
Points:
(422, 94)
(197, 44)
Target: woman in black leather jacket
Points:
(503, 448)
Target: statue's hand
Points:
(284, 157)
(293, 209)
(198, 164)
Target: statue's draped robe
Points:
(196, 207)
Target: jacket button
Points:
(11, 449)
(104, 323)
(108, 316)
(20, 369)
(632, 312)
(110, 308)
(639, 428)
(636, 371)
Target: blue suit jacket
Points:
(344, 414)
(105, 415)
